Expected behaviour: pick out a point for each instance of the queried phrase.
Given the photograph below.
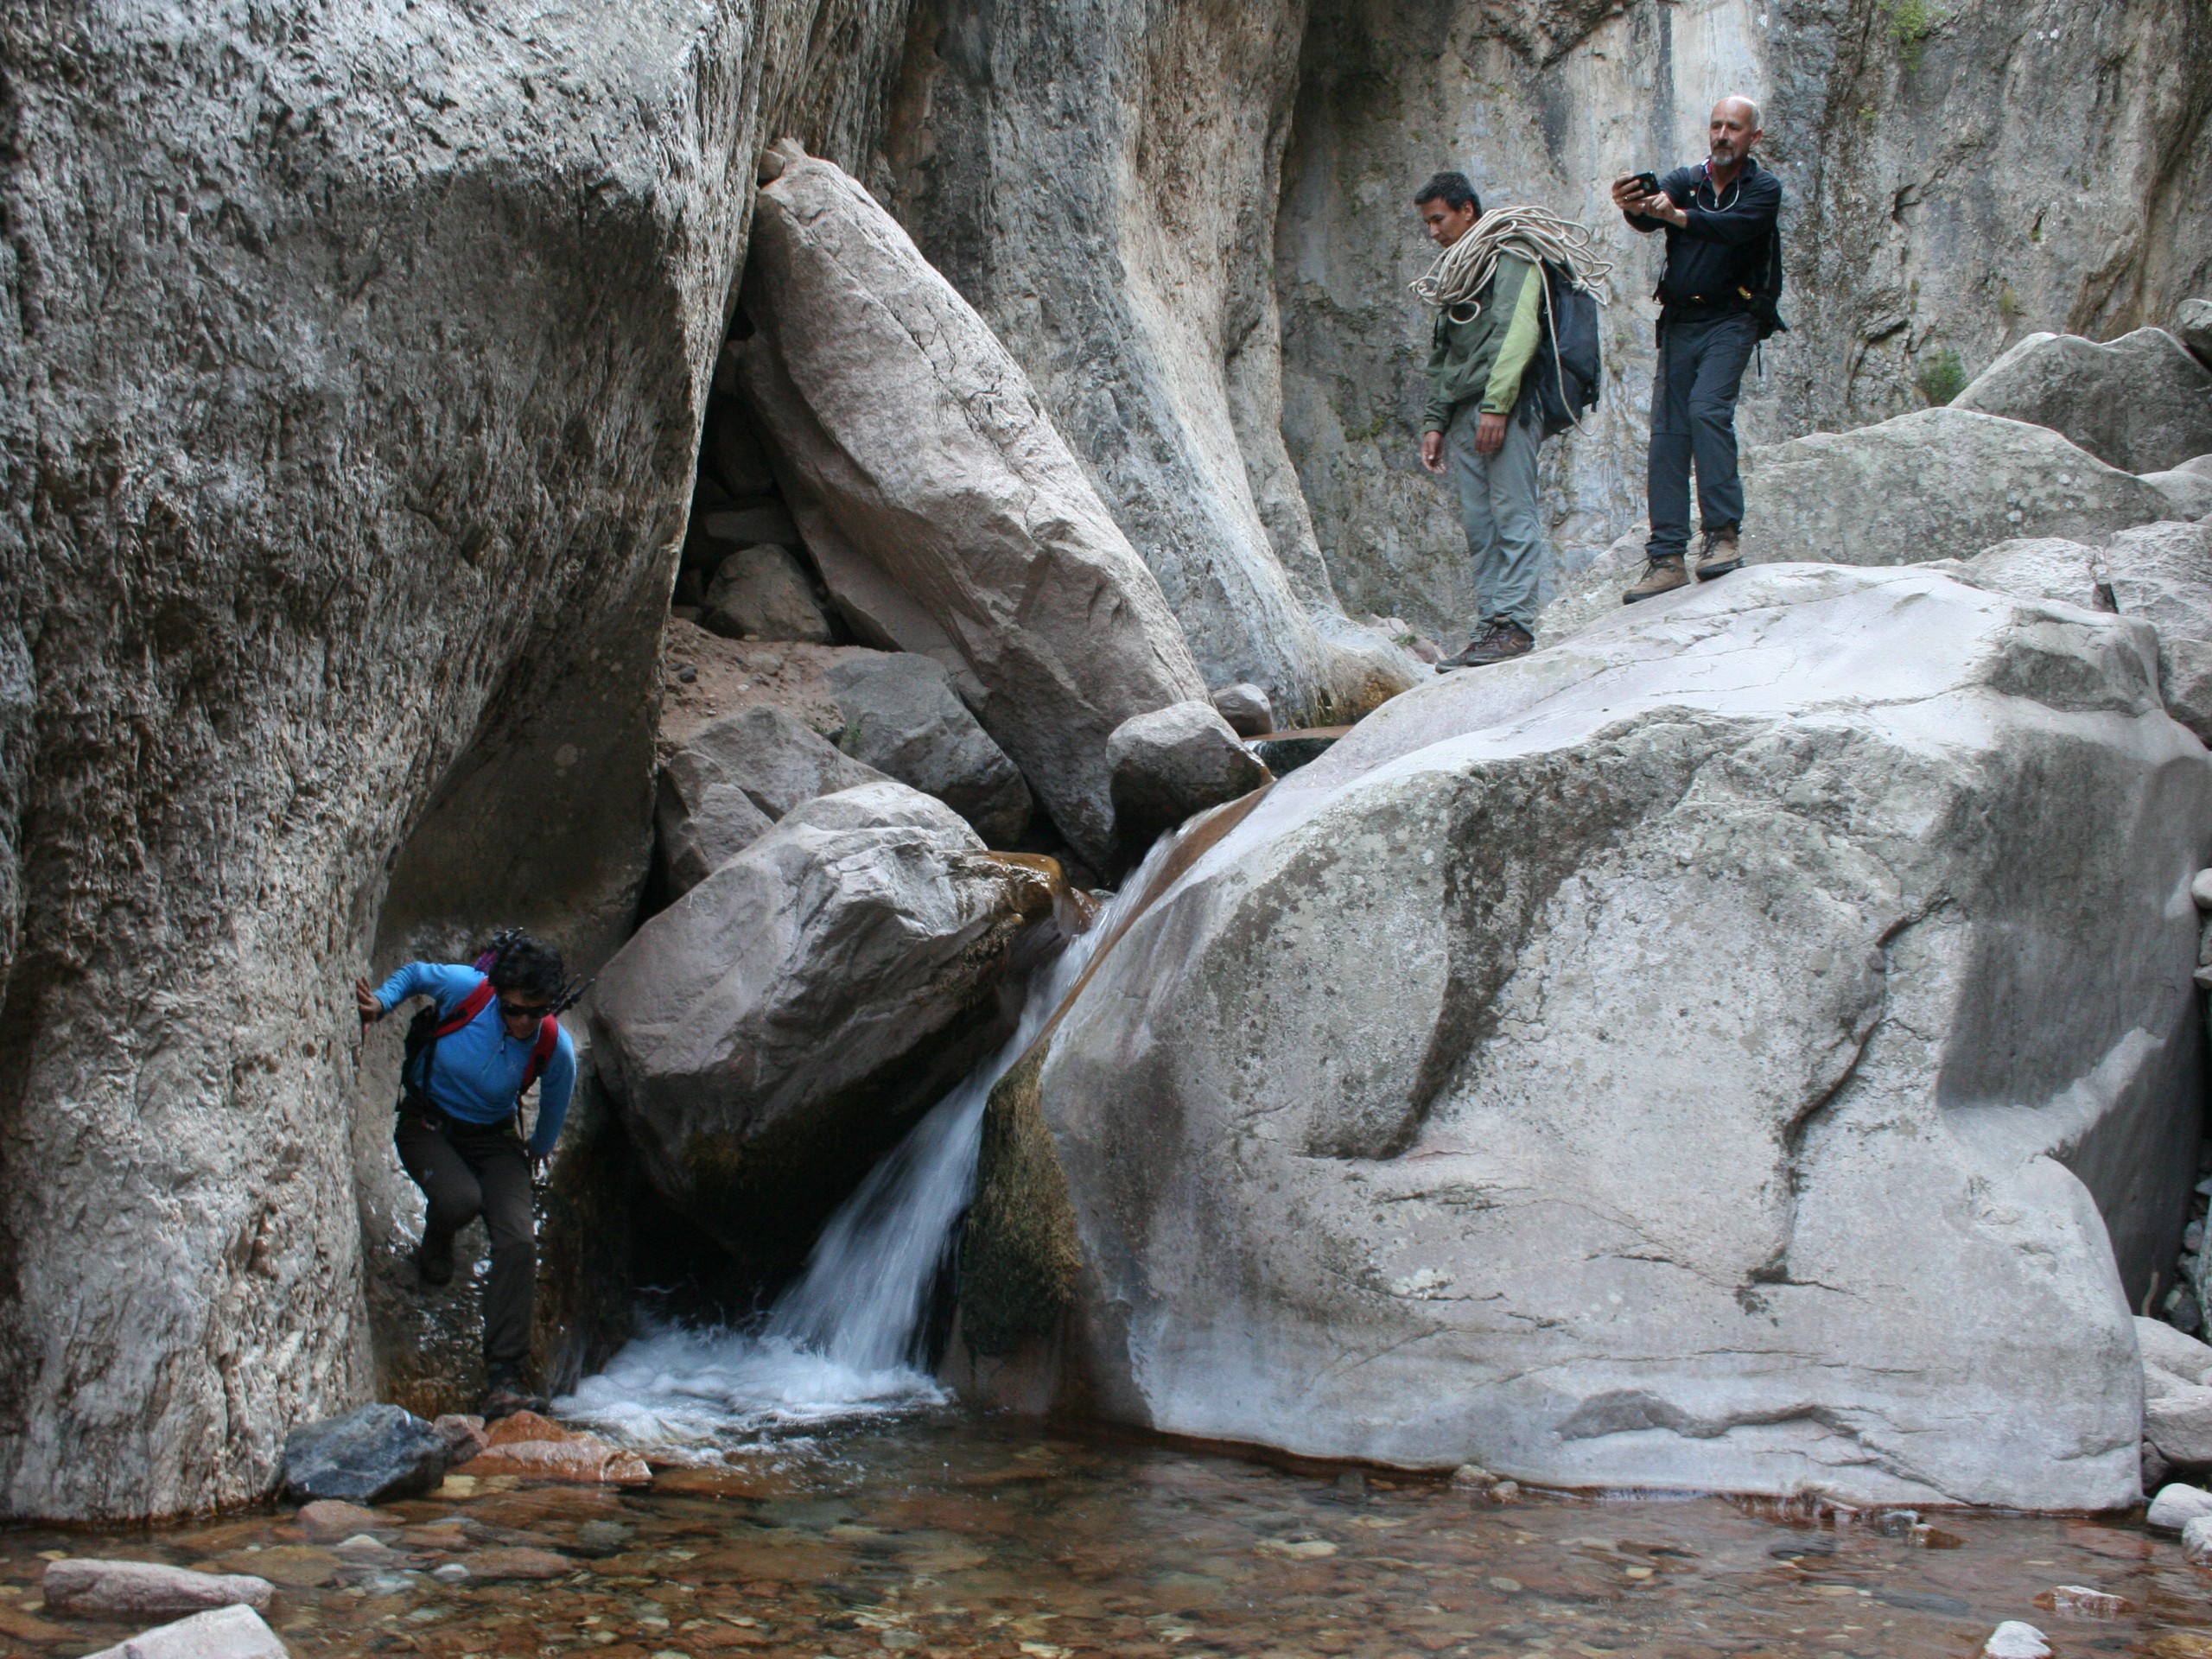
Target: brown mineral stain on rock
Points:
(530, 1445)
(730, 1480)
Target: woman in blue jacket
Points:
(490, 1034)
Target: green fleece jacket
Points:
(1486, 356)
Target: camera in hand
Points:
(1647, 184)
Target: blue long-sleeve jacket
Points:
(477, 1075)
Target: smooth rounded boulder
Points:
(1171, 763)
(774, 1030)
(1747, 1046)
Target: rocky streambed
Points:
(947, 1534)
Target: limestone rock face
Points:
(903, 718)
(1750, 1046)
(1943, 483)
(1173, 763)
(1144, 309)
(2142, 404)
(779, 1024)
(721, 789)
(939, 502)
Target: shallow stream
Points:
(936, 1533)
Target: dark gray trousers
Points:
(465, 1171)
(1694, 417)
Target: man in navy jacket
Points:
(1716, 298)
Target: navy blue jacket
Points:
(1719, 259)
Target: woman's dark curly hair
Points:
(527, 965)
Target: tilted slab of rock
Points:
(1943, 483)
(939, 501)
(781, 1023)
(1692, 1055)
(2141, 402)
(903, 718)
(1172, 764)
(145, 1589)
(730, 781)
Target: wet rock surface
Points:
(2141, 402)
(1354, 1009)
(140, 1589)
(975, 1537)
(1172, 764)
(373, 1452)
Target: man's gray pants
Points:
(1693, 415)
(1497, 506)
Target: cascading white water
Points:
(840, 1341)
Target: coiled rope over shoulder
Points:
(1463, 270)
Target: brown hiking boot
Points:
(1660, 575)
(1721, 553)
(1500, 642)
(505, 1394)
(434, 1258)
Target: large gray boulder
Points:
(761, 593)
(939, 502)
(773, 1030)
(2141, 402)
(1748, 1045)
(1173, 763)
(1941, 483)
(903, 718)
(723, 788)
(371, 1455)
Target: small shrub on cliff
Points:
(1911, 22)
(1942, 377)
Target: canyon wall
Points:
(351, 365)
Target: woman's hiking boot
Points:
(1661, 574)
(505, 1394)
(1720, 554)
(1500, 641)
(434, 1259)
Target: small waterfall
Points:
(842, 1340)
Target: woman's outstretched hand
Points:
(365, 1001)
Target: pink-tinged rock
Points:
(518, 1563)
(463, 1434)
(530, 1445)
(2084, 1601)
(223, 1633)
(135, 1589)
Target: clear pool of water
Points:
(936, 1533)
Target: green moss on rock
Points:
(1020, 1255)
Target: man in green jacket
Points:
(1479, 355)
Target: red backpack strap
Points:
(469, 1007)
(549, 1039)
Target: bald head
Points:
(1733, 131)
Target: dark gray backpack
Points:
(1569, 370)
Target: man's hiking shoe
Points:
(1660, 575)
(505, 1394)
(1721, 553)
(434, 1259)
(1497, 643)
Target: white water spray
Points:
(842, 1340)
